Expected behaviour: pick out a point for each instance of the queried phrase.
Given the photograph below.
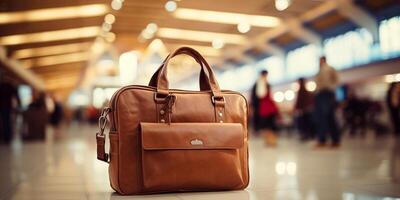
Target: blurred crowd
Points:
(31, 122)
(319, 115)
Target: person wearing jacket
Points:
(264, 109)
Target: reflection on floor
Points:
(65, 167)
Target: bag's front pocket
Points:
(191, 156)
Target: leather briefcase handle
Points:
(162, 80)
(203, 80)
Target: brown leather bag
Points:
(167, 140)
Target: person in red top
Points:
(264, 109)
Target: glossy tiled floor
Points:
(64, 167)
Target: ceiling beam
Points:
(297, 29)
(53, 86)
(59, 68)
(202, 36)
(61, 72)
(65, 34)
(15, 6)
(359, 16)
(26, 75)
(204, 50)
(56, 59)
(43, 26)
(53, 13)
(12, 48)
(281, 29)
(51, 50)
(272, 49)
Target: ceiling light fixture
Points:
(106, 27)
(51, 50)
(217, 43)
(243, 27)
(152, 27)
(116, 4)
(225, 17)
(73, 33)
(53, 13)
(171, 6)
(282, 4)
(203, 36)
(146, 34)
(109, 18)
(110, 37)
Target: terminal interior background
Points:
(78, 53)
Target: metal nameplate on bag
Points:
(196, 142)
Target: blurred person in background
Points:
(393, 103)
(303, 109)
(93, 114)
(264, 109)
(9, 103)
(57, 113)
(355, 111)
(36, 117)
(325, 105)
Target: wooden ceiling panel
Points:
(61, 68)
(375, 5)
(284, 39)
(327, 21)
(56, 74)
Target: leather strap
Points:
(162, 80)
(101, 152)
(203, 80)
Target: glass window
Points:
(275, 67)
(389, 32)
(349, 49)
(302, 62)
(238, 79)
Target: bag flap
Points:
(157, 136)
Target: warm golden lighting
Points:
(55, 60)
(57, 84)
(53, 13)
(65, 34)
(203, 36)
(226, 17)
(204, 50)
(51, 50)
